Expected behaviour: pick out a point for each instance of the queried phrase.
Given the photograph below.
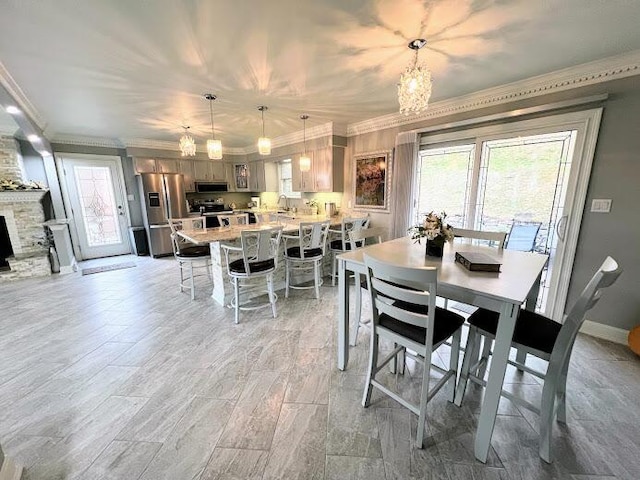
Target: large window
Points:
(285, 177)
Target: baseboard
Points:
(606, 332)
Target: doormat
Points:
(107, 268)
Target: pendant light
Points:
(214, 147)
(414, 89)
(187, 143)
(305, 160)
(264, 143)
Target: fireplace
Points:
(5, 246)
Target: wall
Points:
(615, 175)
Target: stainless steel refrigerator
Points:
(163, 197)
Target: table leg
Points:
(489, 410)
(343, 316)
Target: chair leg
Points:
(287, 278)
(358, 313)
(424, 395)
(373, 365)
(546, 415)
(236, 296)
(181, 276)
(470, 355)
(316, 278)
(561, 412)
(334, 262)
(272, 297)
(521, 357)
(453, 362)
(193, 282)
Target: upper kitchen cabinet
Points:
(152, 165)
(185, 167)
(241, 174)
(256, 176)
(326, 173)
(166, 165)
(209, 170)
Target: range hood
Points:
(208, 187)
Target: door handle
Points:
(561, 228)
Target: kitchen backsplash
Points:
(239, 199)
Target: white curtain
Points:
(403, 168)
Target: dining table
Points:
(515, 286)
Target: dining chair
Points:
(342, 244)
(304, 252)
(522, 236)
(496, 239)
(359, 239)
(404, 311)
(191, 259)
(258, 257)
(234, 219)
(544, 338)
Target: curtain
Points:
(403, 166)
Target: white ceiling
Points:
(137, 70)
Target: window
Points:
(285, 176)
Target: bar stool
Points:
(190, 258)
(305, 251)
(233, 219)
(342, 244)
(258, 258)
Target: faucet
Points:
(286, 201)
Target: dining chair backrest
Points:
(604, 277)
(349, 225)
(260, 245)
(396, 291)
(313, 236)
(261, 217)
(233, 219)
(359, 238)
(522, 236)
(494, 237)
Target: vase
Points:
(435, 247)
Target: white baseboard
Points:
(606, 332)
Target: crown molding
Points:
(599, 71)
(14, 91)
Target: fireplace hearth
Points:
(5, 246)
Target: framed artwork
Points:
(372, 181)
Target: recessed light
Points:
(13, 110)
(33, 138)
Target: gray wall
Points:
(615, 175)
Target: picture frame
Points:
(372, 180)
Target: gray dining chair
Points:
(339, 240)
(544, 338)
(404, 312)
(231, 220)
(522, 236)
(192, 259)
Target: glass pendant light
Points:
(264, 143)
(414, 89)
(214, 147)
(187, 143)
(305, 160)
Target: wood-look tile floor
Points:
(116, 375)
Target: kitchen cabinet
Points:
(166, 165)
(326, 173)
(185, 167)
(229, 176)
(209, 170)
(241, 177)
(144, 165)
(256, 176)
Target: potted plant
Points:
(435, 231)
(313, 206)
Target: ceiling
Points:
(137, 70)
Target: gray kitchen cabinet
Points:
(144, 165)
(229, 176)
(209, 170)
(201, 171)
(218, 170)
(256, 176)
(185, 167)
(326, 173)
(166, 165)
(302, 181)
(241, 175)
(271, 180)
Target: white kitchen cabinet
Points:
(166, 165)
(185, 167)
(144, 165)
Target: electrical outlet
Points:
(601, 205)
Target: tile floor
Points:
(118, 376)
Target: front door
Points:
(95, 199)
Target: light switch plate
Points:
(130, 198)
(601, 205)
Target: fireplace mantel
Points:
(20, 196)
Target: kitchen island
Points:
(216, 237)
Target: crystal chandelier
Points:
(264, 143)
(305, 160)
(214, 147)
(414, 89)
(187, 143)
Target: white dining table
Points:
(517, 284)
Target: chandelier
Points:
(414, 89)
(305, 160)
(187, 143)
(264, 143)
(214, 147)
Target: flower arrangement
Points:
(434, 226)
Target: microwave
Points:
(209, 187)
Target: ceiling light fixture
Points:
(214, 147)
(13, 110)
(264, 143)
(305, 160)
(414, 89)
(187, 143)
